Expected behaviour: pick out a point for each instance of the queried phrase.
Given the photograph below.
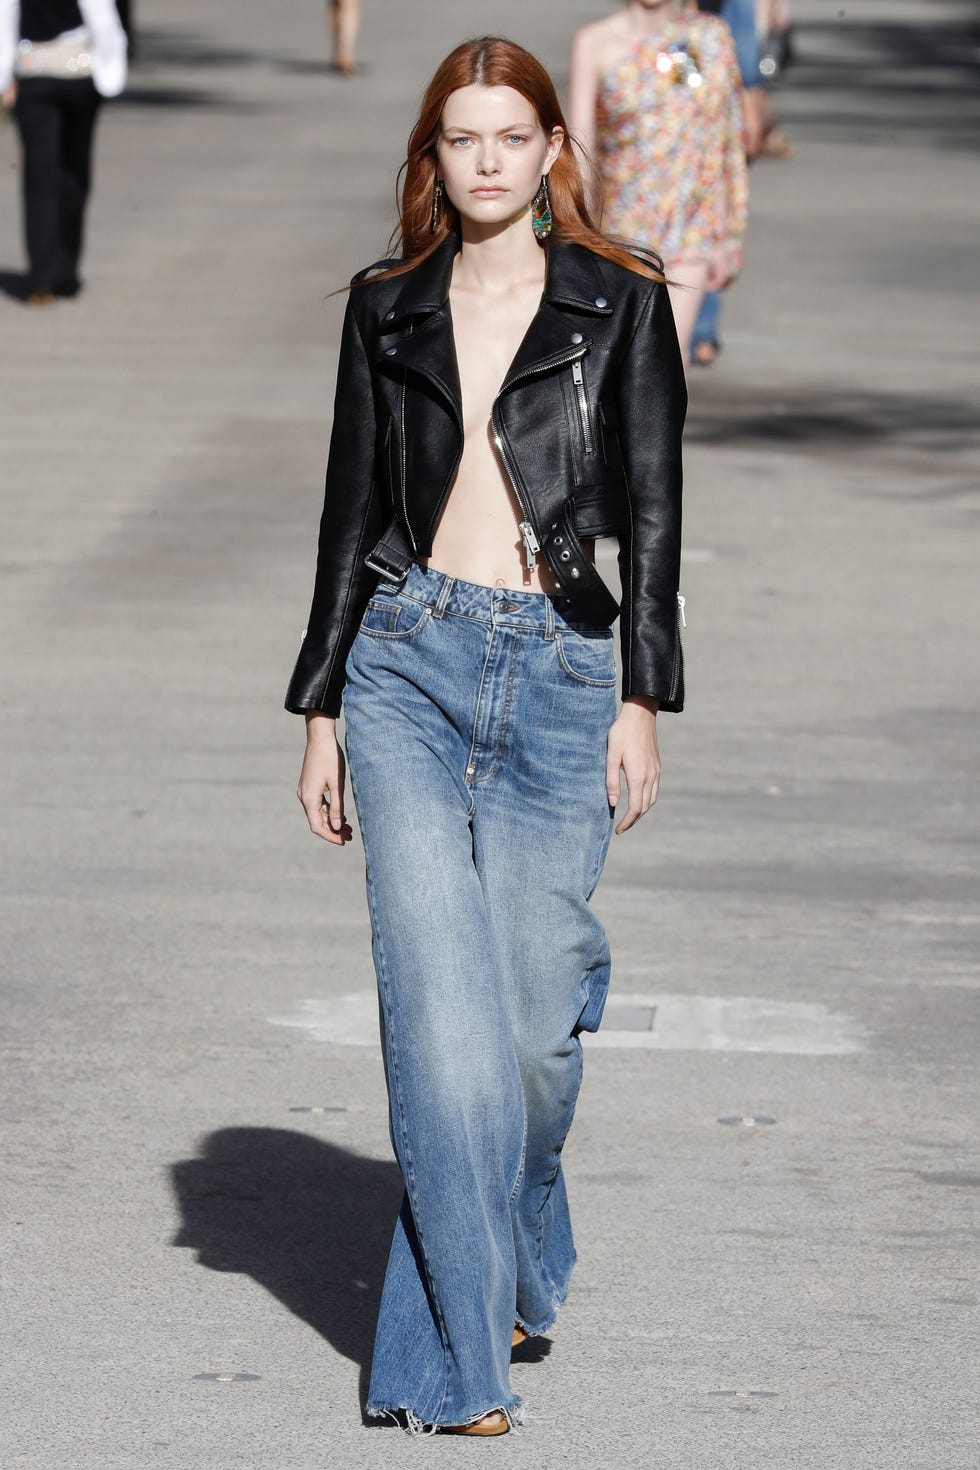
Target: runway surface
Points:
(774, 1170)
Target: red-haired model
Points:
(508, 390)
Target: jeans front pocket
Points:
(587, 658)
(390, 617)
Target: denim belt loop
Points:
(443, 598)
(549, 620)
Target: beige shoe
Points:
(519, 1335)
(496, 1422)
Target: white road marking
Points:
(679, 1023)
(346, 1020)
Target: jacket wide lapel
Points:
(430, 350)
(417, 333)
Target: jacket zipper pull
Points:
(681, 604)
(531, 544)
(578, 379)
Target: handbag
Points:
(775, 53)
(66, 57)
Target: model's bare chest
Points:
(487, 335)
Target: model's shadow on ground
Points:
(309, 1221)
(306, 1219)
(535, 1350)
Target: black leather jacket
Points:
(592, 408)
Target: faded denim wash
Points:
(476, 737)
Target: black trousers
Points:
(56, 118)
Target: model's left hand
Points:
(719, 268)
(9, 97)
(631, 748)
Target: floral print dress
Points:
(669, 141)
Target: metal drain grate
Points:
(228, 1377)
(629, 1018)
(742, 1393)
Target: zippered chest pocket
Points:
(583, 409)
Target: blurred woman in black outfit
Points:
(58, 59)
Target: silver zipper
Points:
(532, 545)
(675, 675)
(499, 439)
(585, 416)
(404, 448)
(451, 477)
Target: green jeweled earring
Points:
(541, 221)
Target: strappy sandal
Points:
(705, 352)
(775, 144)
(496, 1422)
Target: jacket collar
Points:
(572, 280)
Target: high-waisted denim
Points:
(476, 738)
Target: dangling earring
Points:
(436, 205)
(541, 220)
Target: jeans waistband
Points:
(500, 605)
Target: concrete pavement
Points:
(795, 927)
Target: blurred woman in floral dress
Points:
(655, 99)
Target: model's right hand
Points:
(752, 121)
(9, 97)
(321, 781)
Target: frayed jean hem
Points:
(558, 1301)
(405, 1418)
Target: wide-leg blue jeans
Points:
(476, 737)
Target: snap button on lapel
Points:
(390, 351)
(601, 301)
(577, 338)
(391, 315)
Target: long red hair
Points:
(491, 61)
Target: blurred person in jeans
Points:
(740, 17)
(58, 59)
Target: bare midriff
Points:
(478, 537)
